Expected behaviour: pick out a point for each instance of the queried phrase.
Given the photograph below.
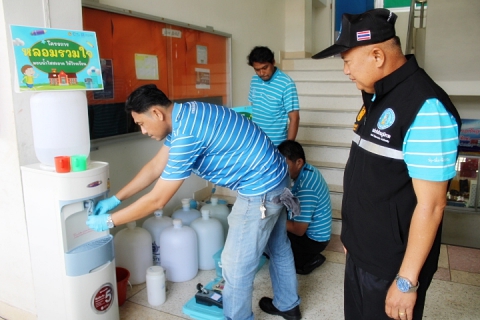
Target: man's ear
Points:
(299, 163)
(379, 56)
(158, 113)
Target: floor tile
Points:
(322, 291)
(466, 278)
(464, 259)
(452, 301)
(443, 259)
(133, 311)
(335, 244)
(442, 274)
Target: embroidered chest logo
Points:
(385, 121)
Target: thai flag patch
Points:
(363, 35)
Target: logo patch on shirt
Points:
(364, 35)
(386, 119)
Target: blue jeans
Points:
(248, 237)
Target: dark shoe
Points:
(310, 266)
(266, 304)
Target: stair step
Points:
(326, 87)
(335, 188)
(331, 133)
(336, 200)
(343, 117)
(312, 64)
(332, 175)
(331, 101)
(323, 143)
(326, 154)
(336, 214)
(325, 75)
(324, 164)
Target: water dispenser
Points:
(73, 266)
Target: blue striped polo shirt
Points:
(223, 147)
(316, 209)
(430, 145)
(272, 101)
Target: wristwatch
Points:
(110, 224)
(405, 285)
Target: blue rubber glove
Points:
(105, 205)
(97, 222)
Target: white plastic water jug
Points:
(186, 214)
(133, 251)
(59, 125)
(155, 225)
(218, 211)
(179, 252)
(210, 239)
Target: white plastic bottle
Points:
(156, 292)
(133, 251)
(59, 125)
(179, 252)
(155, 225)
(210, 239)
(186, 214)
(218, 211)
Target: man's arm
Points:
(297, 228)
(294, 117)
(427, 216)
(146, 176)
(156, 199)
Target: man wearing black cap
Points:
(402, 156)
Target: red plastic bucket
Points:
(122, 275)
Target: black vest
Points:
(379, 200)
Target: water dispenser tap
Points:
(89, 205)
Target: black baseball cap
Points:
(373, 26)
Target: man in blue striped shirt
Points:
(309, 233)
(401, 159)
(225, 148)
(273, 96)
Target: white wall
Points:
(251, 23)
(452, 45)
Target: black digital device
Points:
(208, 297)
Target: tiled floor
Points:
(453, 294)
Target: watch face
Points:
(403, 285)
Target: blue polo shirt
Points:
(272, 101)
(223, 147)
(312, 191)
(430, 145)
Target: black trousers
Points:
(305, 249)
(365, 294)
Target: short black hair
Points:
(292, 150)
(260, 55)
(145, 97)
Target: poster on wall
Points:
(146, 66)
(49, 59)
(202, 55)
(470, 136)
(107, 76)
(202, 78)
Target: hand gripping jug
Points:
(155, 225)
(218, 211)
(179, 252)
(133, 251)
(210, 239)
(186, 214)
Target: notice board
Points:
(187, 64)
